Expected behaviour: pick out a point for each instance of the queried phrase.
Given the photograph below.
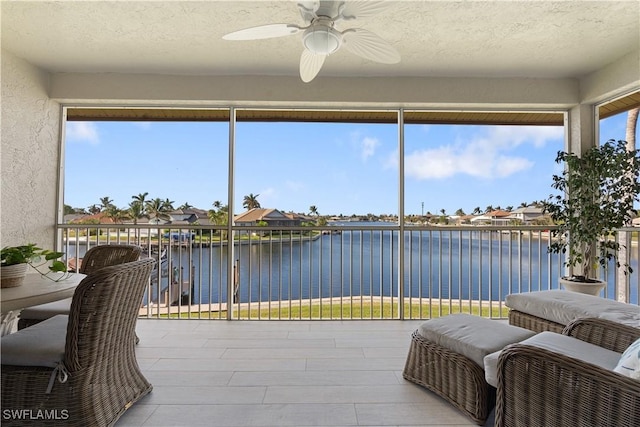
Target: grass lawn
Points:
(346, 310)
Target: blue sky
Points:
(339, 168)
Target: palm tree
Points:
(185, 206)
(219, 216)
(168, 205)
(630, 137)
(216, 217)
(157, 208)
(93, 209)
(477, 210)
(251, 201)
(460, 212)
(142, 199)
(630, 131)
(153, 206)
(443, 212)
(488, 209)
(508, 208)
(105, 203)
(313, 210)
(217, 204)
(116, 214)
(136, 211)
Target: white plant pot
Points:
(12, 275)
(589, 288)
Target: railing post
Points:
(621, 277)
(401, 236)
(230, 208)
(236, 280)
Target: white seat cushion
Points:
(38, 345)
(45, 311)
(491, 367)
(629, 363)
(471, 336)
(561, 344)
(564, 307)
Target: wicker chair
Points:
(451, 375)
(96, 258)
(103, 378)
(533, 323)
(538, 387)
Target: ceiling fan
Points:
(320, 38)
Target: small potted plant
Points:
(15, 259)
(598, 191)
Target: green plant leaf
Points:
(58, 266)
(598, 190)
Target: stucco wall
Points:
(30, 129)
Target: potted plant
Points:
(15, 259)
(598, 191)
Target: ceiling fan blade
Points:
(368, 45)
(263, 32)
(310, 65)
(308, 10)
(362, 9)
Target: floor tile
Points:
(280, 374)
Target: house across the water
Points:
(272, 218)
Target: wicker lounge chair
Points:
(96, 258)
(541, 387)
(552, 310)
(446, 356)
(533, 323)
(91, 376)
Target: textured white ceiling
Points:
(435, 38)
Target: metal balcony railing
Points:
(346, 272)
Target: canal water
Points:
(458, 265)
(437, 264)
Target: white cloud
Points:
(485, 155)
(368, 147)
(365, 145)
(82, 132)
(268, 197)
(509, 165)
(517, 135)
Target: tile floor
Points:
(282, 373)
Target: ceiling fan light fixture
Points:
(321, 40)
